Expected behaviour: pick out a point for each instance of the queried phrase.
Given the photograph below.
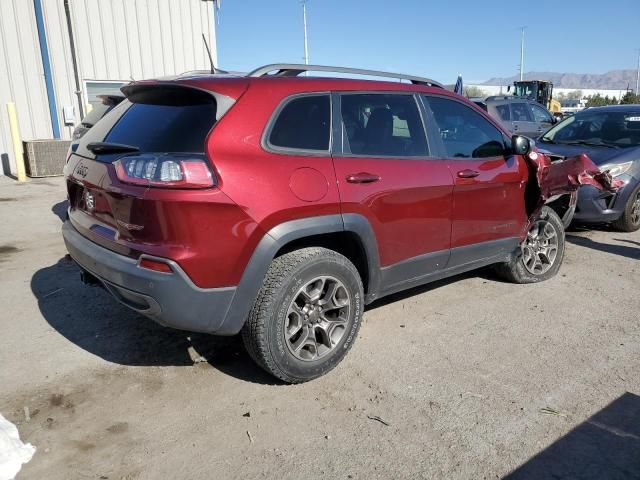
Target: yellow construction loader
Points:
(540, 91)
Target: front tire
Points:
(307, 314)
(567, 218)
(541, 252)
(630, 219)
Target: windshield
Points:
(526, 90)
(610, 128)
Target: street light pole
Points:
(306, 44)
(638, 75)
(522, 54)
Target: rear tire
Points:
(630, 219)
(306, 316)
(540, 254)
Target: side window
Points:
(303, 124)
(540, 115)
(464, 132)
(504, 112)
(382, 125)
(520, 112)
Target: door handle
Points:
(468, 173)
(362, 177)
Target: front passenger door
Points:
(488, 196)
(542, 117)
(522, 120)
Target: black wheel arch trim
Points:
(285, 233)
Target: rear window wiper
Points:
(106, 147)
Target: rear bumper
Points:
(596, 206)
(171, 299)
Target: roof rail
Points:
(502, 97)
(294, 69)
(208, 72)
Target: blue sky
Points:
(437, 39)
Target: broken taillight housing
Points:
(165, 171)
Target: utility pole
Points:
(638, 75)
(522, 53)
(306, 44)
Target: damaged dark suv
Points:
(279, 206)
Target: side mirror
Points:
(520, 145)
(557, 118)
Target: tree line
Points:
(598, 100)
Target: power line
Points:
(638, 75)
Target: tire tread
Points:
(280, 271)
(624, 223)
(515, 272)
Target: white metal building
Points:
(503, 90)
(57, 55)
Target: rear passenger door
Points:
(387, 172)
(522, 120)
(503, 113)
(488, 197)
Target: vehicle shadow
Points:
(622, 250)
(591, 227)
(627, 241)
(604, 447)
(91, 319)
(60, 210)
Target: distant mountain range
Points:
(614, 80)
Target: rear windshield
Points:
(99, 111)
(166, 120)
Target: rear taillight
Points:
(167, 171)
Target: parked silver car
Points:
(518, 115)
(99, 110)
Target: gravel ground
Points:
(466, 378)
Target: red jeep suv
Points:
(279, 206)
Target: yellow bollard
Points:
(17, 141)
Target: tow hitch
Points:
(89, 279)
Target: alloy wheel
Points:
(317, 318)
(540, 248)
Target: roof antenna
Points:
(206, 44)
